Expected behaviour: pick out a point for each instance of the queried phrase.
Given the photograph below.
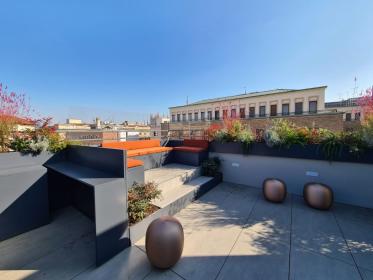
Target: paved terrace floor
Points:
(230, 233)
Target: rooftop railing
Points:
(257, 116)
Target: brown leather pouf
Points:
(164, 242)
(274, 190)
(318, 196)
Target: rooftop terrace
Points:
(230, 233)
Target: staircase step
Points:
(184, 193)
(172, 176)
(173, 200)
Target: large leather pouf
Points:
(318, 196)
(164, 242)
(274, 190)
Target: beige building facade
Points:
(280, 102)
(304, 107)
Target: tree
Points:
(366, 104)
(13, 110)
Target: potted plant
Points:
(139, 201)
(232, 137)
(210, 168)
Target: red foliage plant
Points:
(13, 106)
(212, 129)
(366, 103)
(15, 110)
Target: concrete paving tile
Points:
(132, 263)
(355, 214)
(319, 232)
(306, 265)
(271, 218)
(359, 238)
(157, 274)
(331, 245)
(233, 210)
(367, 274)
(257, 256)
(205, 251)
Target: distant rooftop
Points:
(351, 102)
(245, 95)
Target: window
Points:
(357, 116)
(252, 112)
(202, 116)
(178, 117)
(217, 117)
(184, 117)
(298, 108)
(196, 116)
(262, 111)
(274, 110)
(190, 117)
(225, 114)
(209, 115)
(173, 118)
(285, 109)
(313, 107)
(348, 117)
(233, 113)
(242, 113)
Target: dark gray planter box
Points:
(296, 151)
(23, 193)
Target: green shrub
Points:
(331, 146)
(38, 141)
(221, 136)
(284, 133)
(139, 198)
(234, 131)
(20, 144)
(210, 166)
(38, 145)
(56, 143)
(354, 141)
(367, 132)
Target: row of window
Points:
(242, 112)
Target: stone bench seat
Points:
(190, 149)
(191, 152)
(135, 171)
(131, 162)
(150, 152)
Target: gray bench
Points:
(94, 181)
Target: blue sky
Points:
(123, 59)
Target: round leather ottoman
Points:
(164, 242)
(318, 196)
(274, 190)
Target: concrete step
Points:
(180, 185)
(182, 195)
(171, 176)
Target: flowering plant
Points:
(13, 109)
(38, 135)
(232, 130)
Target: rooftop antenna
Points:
(355, 87)
(187, 101)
